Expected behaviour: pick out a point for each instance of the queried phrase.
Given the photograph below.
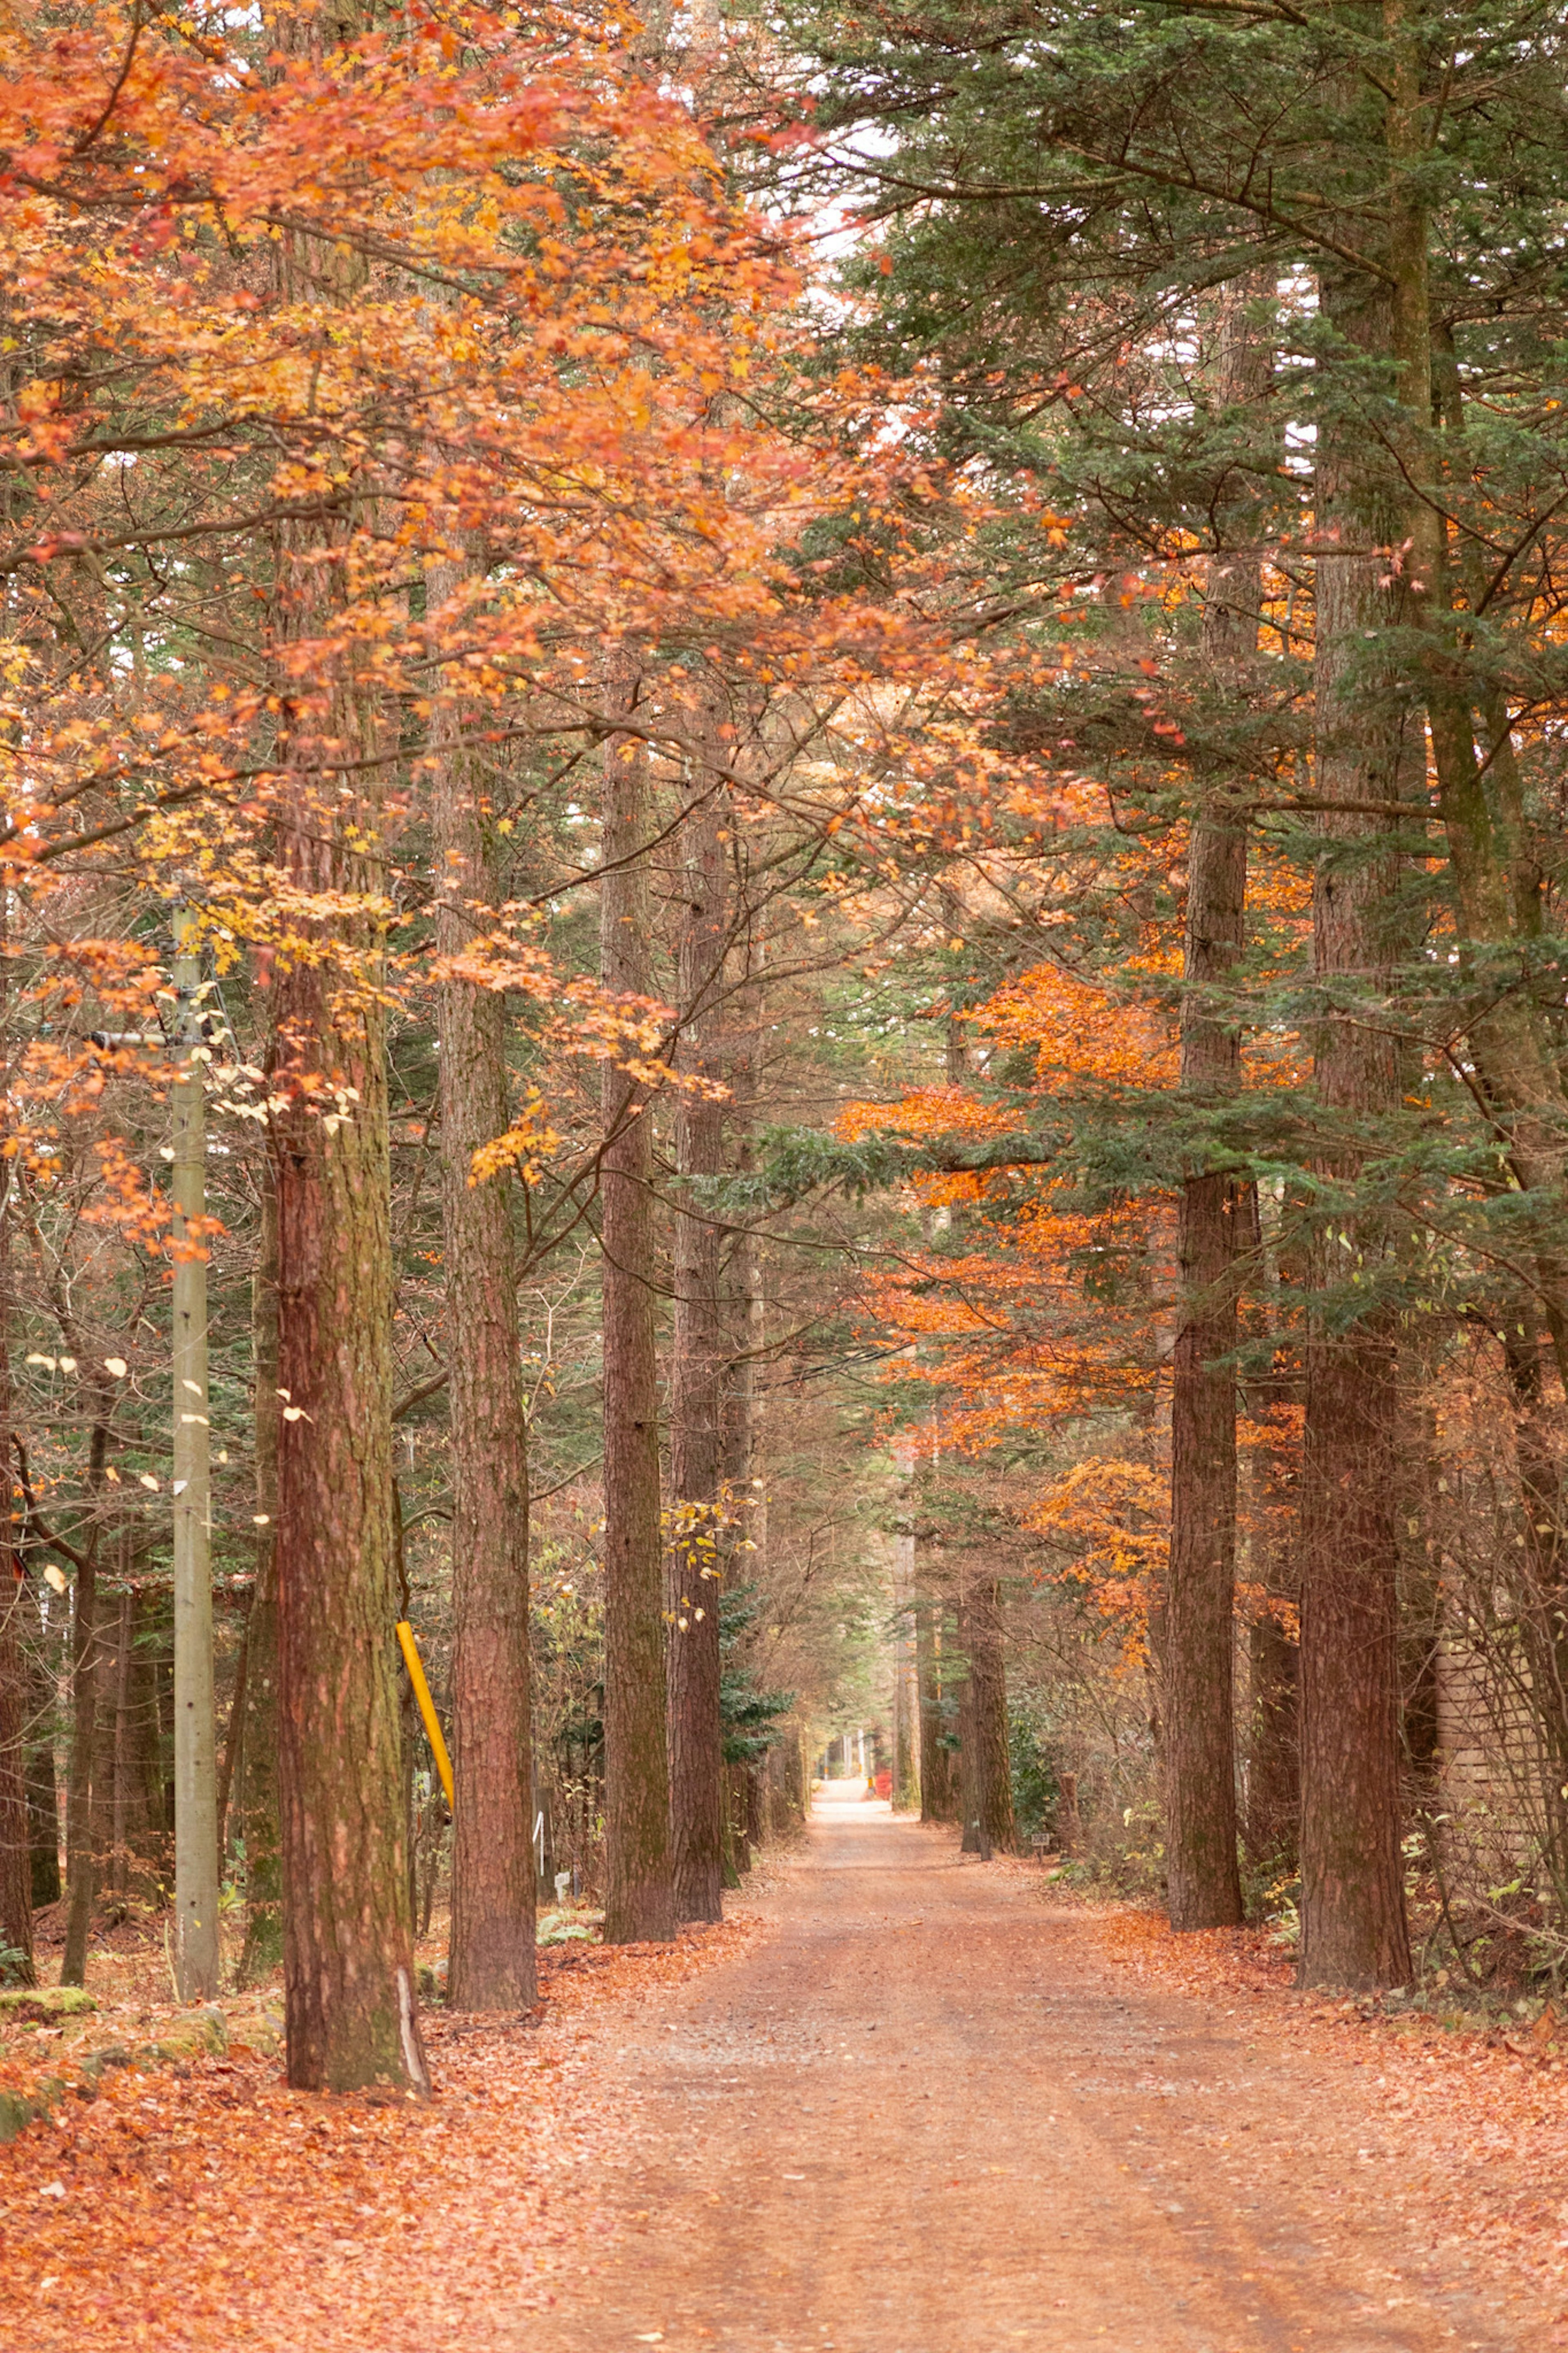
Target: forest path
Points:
(927, 2116)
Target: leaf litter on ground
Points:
(1473, 2117)
(212, 2208)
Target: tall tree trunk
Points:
(905, 1793)
(697, 1365)
(939, 1793)
(233, 1738)
(1197, 1623)
(15, 1840)
(348, 1939)
(120, 1783)
(348, 1958)
(1353, 1928)
(987, 1732)
(263, 1948)
(1274, 1741)
(492, 1964)
(196, 1859)
(1197, 1630)
(971, 1829)
(15, 1844)
(81, 1869)
(640, 1898)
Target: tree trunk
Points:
(348, 1935)
(43, 1793)
(1197, 1630)
(15, 1845)
(1273, 1729)
(81, 1873)
(992, 1790)
(905, 1793)
(15, 1840)
(697, 1366)
(119, 1857)
(1353, 1929)
(1274, 1773)
(971, 1830)
(233, 1739)
(196, 1859)
(348, 1949)
(939, 1792)
(492, 1965)
(263, 1948)
(640, 1900)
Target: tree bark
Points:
(121, 1749)
(939, 1792)
(263, 1948)
(1353, 1928)
(348, 1958)
(970, 1832)
(905, 1794)
(348, 1932)
(15, 1839)
(699, 1363)
(639, 1897)
(492, 1965)
(43, 1794)
(15, 1844)
(991, 1773)
(233, 1738)
(81, 1872)
(197, 1863)
(1198, 1643)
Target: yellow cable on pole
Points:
(411, 1659)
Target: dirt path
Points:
(926, 2116)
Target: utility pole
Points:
(196, 1762)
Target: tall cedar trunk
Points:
(492, 1964)
(1274, 1747)
(1353, 1927)
(1198, 1644)
(971, 1838)
(992, 1789)
(905, 1793)
(263, 1948)
(639, 1899)
(348, 1952)
(697, 1366)
(939, 1794)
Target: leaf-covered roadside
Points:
(1473, 2120)
(218, 2209)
